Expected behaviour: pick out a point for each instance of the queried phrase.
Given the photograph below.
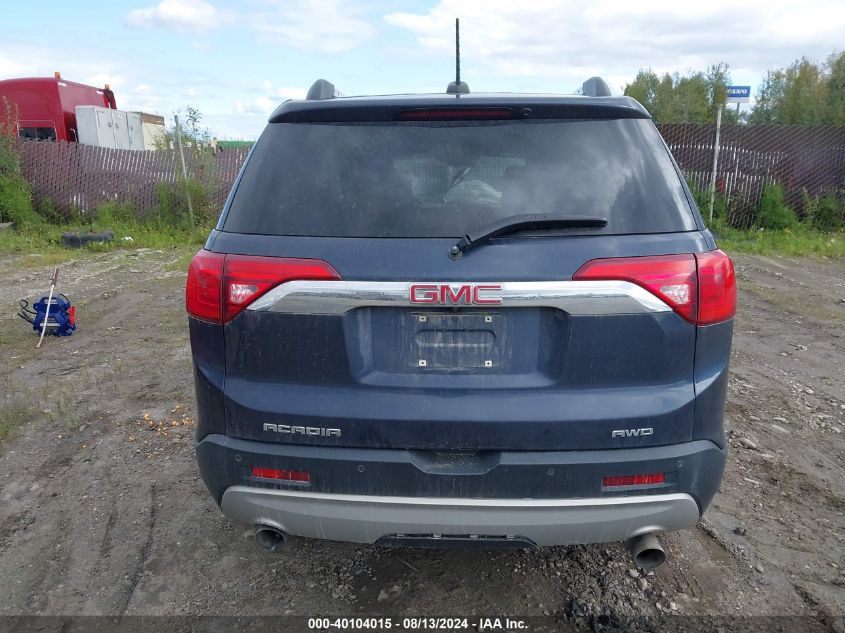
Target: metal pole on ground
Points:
(47, 308)
(715, 162)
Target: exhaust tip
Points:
(650, 558)
(647, 551)
(270, 538)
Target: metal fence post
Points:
(185, 170)
(715, 161)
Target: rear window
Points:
(444, 179)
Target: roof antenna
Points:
(457, 87)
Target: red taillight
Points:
(670, 277)
(282, 475)
(633, 480)
(247, 277)
(203, 297)
(716, 287)
(221, 286)
(456, 114)
(701, 288)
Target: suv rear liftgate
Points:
(430, 321)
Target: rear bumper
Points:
(547, 497)
(368, 519)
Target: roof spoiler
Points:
(596, 87)
(322, 89)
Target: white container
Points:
(152, 126)
(105, 127)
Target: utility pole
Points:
(715, 161)
(185, 170)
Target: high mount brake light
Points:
(220, 286)
(700, 287)
(456, 114)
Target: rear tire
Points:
(78, 240)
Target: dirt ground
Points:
(102, 510)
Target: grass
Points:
(13, 415)
(40, 243)
(798, 242)
(180, 264)
(20, 408)
(46, 259)
(38, 228)
(776, 229)
(38, 240)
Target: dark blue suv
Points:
(461, 320)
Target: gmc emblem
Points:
(449, 294)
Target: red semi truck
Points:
(45, 107)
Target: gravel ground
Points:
(102, 510)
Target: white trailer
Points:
(107, 127)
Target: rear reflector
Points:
(456, 114)
(221, 286)
(281, 475)
(701, 287)
(632, 480)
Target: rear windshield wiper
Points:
(516, 223)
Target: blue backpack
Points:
(61, 320)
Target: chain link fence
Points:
(76, 179)
(806, 161)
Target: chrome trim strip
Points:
(516, 504)
(368, 518)
(574, 297)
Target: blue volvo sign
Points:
(739, 94)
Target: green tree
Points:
(644, 88)
(193, 133)
(675, 98)
(805, 93)
(769, 99)
(664, 100)
(691, 99)
(195, 195)
(836, 89)
(718, 79)
(15, 195)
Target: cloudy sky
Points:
(237, 59)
